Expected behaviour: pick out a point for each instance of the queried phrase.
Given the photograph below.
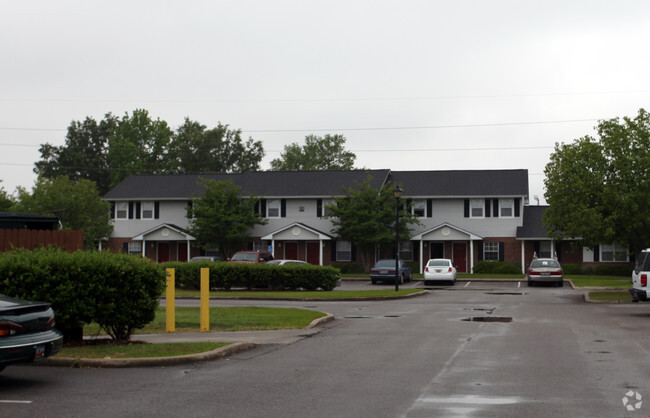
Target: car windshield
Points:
(385, 263)
(244, 257)
(544, 264)
(438, 263)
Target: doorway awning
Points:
(446, 232)
(164, 232)
(297, 232)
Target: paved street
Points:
(547, 353)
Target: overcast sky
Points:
(412, 85)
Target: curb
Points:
(589, 300)
(421, 293)
(215, 354)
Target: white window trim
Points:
(270, 205)
(151, 209)
(472, 207)
(122, 206)
(485, 250)
(423, 202)
(341, 251)
(616, 248)
(511, 206)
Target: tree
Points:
(327, 153)
(84, 155)
(77, 205)
(138, 145)
(196, 149)
(599, 189)
(365, 216)
(6, 201)
(221, 218)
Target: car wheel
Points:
(530, 284)
(401, 279)
(453, 282)
(561, 283)
(373, 281)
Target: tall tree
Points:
(196, 149)
(138, 145)
(318, 153)
(598, 189)
(6, 201)
(366, 217)
(221, 218)
(84, 154)
(77, 205)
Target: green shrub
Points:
(224, 275)
(620, 270)
(349, 268)
(496, 267)
(120, 292)
(573, 269)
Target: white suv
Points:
(640, 275)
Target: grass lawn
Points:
(351, 294)
(601, 281)
(136, 350)
(611, 295)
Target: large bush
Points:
(119, 292)
(224, 275)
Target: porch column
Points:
(189, 249)
(523, 257)
(421, 255)
(320, 252)
(273, 246)
(144, 247)
(471, 256)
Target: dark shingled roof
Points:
(532, 223)
(456, 183)
(261, 183)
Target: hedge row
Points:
(224, 275)
(119, 292)
(619, 270)
(496, 267)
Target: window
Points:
(260, 246)
(420, 208)
(406, 250)
(326, 210)
(491, 251)
(477, 208)
(343, 251)
(613, 252)
(273, 208)
(121, 210)
(135, 248)
(507, 208)
(147, 210)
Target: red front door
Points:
(163, 252)
(291, 250)
(313, 253)
(460, 256)
(182, 251)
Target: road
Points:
(548, 354)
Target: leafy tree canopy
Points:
(222, 218)
(77, 205)
(366, 217)
(110, 150)
(318, 153)
(196, 149)
(6, 201)
(84, 155)
(598, 189)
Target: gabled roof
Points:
(260, 183)
(533, 228)
(467, 183)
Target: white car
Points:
(439, 270)
(285, 262)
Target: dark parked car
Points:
(384, 270)
(27, 331)
(204, 258)
(545, 270)
(251, 257)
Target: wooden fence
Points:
(32, 238)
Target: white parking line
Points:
(518, 284)
(467, 284)
(8, 401)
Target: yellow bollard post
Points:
(170, 301)
(205, 299)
